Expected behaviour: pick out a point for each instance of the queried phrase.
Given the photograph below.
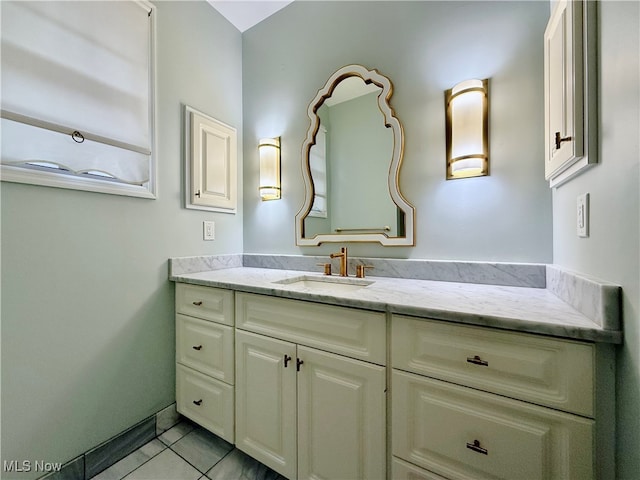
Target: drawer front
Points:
(461, 433)
(206, 401)
(208, 303)
(346, 331)
(401, 470)
(546, 371)
(205, 346)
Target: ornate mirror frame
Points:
(390, 120)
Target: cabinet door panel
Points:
(341, 417)
(211, 164)
(266, 401)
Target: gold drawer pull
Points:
(475, 446)
(476, 360)
(199, 402)
(198, 303)
(197, 347)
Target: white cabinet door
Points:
(341, 417)
(568, 86)
(266, 401)
(211, 163)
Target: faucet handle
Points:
(360, 270)
(327, 268)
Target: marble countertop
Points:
(524, 309)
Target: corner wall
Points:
(612, 251)
(88, 345)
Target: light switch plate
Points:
(583, 215)
(209, 230)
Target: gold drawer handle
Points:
(199, 402)
(475, 446)
(197, 347)
(198, 303)
(476, 360)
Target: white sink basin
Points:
(325, 283)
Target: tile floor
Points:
(188, 452)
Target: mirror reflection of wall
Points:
(350, 164)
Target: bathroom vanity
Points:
(326, 377)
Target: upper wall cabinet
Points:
(570, 90)
(211, 151)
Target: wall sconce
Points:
(269, 150)
(467, 129)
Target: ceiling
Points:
(245, 14)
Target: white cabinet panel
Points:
(211, 163)
(552, 372)
(461, 433)
(309, 414)
(401, 470)
(266, 401)
(341, 417)
(206, 401)
(207, 303)
(355, 333)
(206, 347)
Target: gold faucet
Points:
(343, 261)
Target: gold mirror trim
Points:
(368, 76)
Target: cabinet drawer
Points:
(401, 470)
(542, 370)
(206, 401)
(206, 347)
(461, 433)
(355, 333)
(208, 303)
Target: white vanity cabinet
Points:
(479, 403)
(310, 388)
(205, 369)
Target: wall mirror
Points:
(351, 160)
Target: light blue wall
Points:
(612, 250)
(360, 148)
(424, 48)
(87, 308)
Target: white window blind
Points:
(77, 94)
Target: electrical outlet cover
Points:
(583, 215)
(209, 230)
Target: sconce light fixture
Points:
(269, 150)
(467, 129)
